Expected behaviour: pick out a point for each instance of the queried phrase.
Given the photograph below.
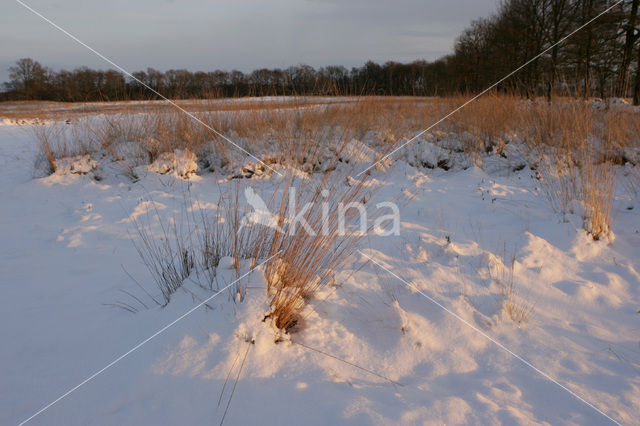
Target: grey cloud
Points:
(242, 34)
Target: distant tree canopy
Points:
(602, 59)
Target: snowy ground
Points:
(66, 256)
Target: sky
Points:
(232, 34)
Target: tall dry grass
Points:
(574, 145)
(576, 149)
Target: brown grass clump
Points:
(60, 140)
(307, 258)
(598, 183)
(575, 149)
(167, 254)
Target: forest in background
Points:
(602, 60)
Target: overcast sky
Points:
(233, 34)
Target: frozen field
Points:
(413, 328)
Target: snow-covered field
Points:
(413, 329)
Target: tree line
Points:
(602, 59)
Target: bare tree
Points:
(28, 77)
(631, 34)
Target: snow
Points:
(67, 257)
(181, 162)
(80, 165)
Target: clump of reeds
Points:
(192, 244)
(60, 140)
(573, 146)
(307, 258)
(168, 254)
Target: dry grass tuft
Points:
(307, 260)
(167, 255)
(575, 148)
(60, 140)
(518, 310)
